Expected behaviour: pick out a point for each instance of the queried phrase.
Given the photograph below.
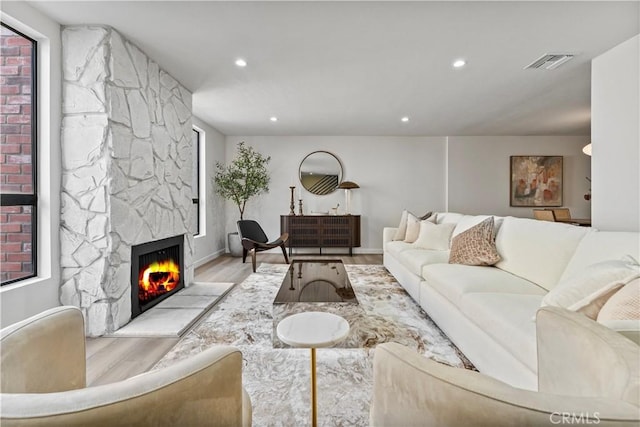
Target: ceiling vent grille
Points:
(550, 61)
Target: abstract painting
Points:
(536, 181)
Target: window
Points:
(18, 196)
(195, 181)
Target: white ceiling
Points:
(356, 68)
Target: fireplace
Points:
(157, 271)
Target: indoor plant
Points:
(246, 176)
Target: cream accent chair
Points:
(588, 374)
(43, 382)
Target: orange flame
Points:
(158, 278)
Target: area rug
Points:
(278, 379)
(176, 314)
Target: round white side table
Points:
(313, 329)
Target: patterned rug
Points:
(278, 379)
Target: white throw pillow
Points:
(434, 236)
(591, 283)
(413, 228)
(402, 228)
(401, 232)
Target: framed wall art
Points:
(536, 181)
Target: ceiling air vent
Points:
(550, 61)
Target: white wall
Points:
(615, 133)
(479, 172)
(212, 239)
(393, 173)
(28, 297)
(471, 174)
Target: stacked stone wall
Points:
(126, 157)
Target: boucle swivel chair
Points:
(43, 373)
(587, 374)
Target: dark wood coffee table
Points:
(317, 286)
(311, 281)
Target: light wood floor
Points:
(115, 359)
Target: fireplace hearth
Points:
(157, 272)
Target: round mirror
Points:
(320, 173)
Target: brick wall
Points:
(15, 153)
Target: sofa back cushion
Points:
(448, 217)
(600, 246)
(538, 251)
(468, 221)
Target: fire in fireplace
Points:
(156, 272)
(157, 279)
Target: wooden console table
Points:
(321, 231)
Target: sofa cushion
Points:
(475, 246)
(538, 251)
(453, 281)
(601, 246)
(398, 246)
(415, 259)
(506, 317)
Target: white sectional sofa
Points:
(488, 312)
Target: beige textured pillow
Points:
(434, 236)
(623, 305)
(402, 228)
(592, 309)
(475, 246)
(413, 228)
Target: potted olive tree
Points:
(246, 176)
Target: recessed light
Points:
(459, 63)
(241, 62)
(405, 119)
(273, 119)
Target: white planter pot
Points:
(235, 245)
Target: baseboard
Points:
(208, 258)
(368, 251)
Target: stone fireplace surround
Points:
(127, 167)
